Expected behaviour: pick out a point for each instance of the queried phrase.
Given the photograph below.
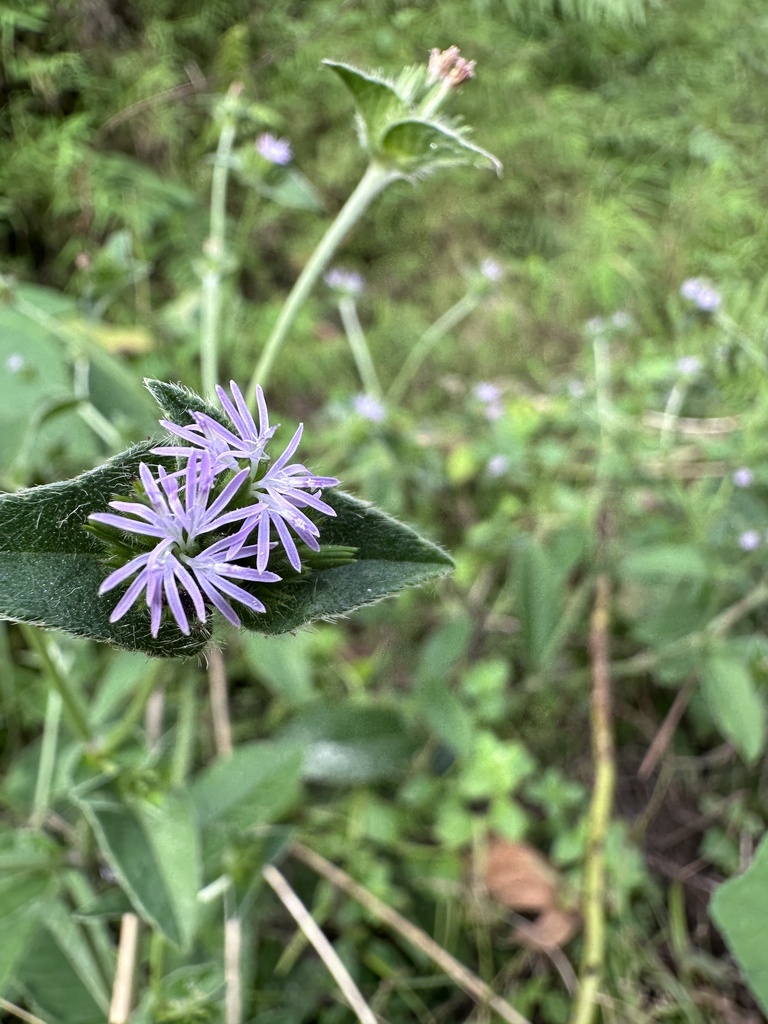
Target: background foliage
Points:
(399, 743)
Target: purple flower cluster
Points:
(274, 150)
(229, 486)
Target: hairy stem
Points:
(427, 342)
(374, 181)
(216, 252)
(359, 346)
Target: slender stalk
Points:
(603, 753)
(216, 252)
(42, 797)
(122, 990)
(184, 746)
(130, 717)
(374, 181)
(359, 346)
(427, 342)
(16, 1011)
(276, 881)
(73, 705)
(217, 688)
(233, 946)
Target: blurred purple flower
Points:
(749, 540)
(743, 477)
(348, 282)
(595, 326)
(576, 388)
(487, 392)
(701, 294)
(276, 151)
(369, 408)
(491, 270)
(497, 465)
(15, 362)
(621, 320)
(689, 366)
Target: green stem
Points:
(216, 251)
(359, 346)
(73, 705)
(184, 745)
(42, 797)
(130, 717)
(429, 339)
(374, 181)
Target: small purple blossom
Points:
(621, 320)
(347, 282)
(749, 540)
(576, 388)
(178, 514)
(597, 325)
(276, 151)
(487, 392)
(743, 477)
(497, 465)
(370, 408)
(491, 270)
(280, 490)
(689, 366)
(701, 293)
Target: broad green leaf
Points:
(662, 561)
(24, 899)
(153, 849)
(351, 744)
(538, 599)
(257, 784)
(283, 664)
(376, 99)
(59, 972)
(445, 713)
(739, 908)
(736, 706)
(415, 145)
(51, 568)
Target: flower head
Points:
(491, 270)
(347, 282)
(370, 408)
(449, 66)
(180, 509)
(276, 151)
(487, 392)
(689, 366)
(701, 294)
(749, 540)
(279, 490)
(743, 477)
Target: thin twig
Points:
(324, 949)
(461, 975)
(233, 944)
(603, 753)
(666, 731)
(17, 1011)
(154, 713)
(122, 990)
(217, 687)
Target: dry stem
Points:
(122, 990)
(458, 973)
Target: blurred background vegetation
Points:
(575, 380)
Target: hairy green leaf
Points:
(739, 908)
(153, 849)
(736, 706)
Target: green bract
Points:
(397, 130)
(51, 567)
